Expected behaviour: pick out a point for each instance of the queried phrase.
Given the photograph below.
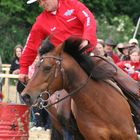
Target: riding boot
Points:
(123, 80)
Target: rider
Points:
(60, 20)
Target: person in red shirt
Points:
(109, 46)
(132, 67)
(60, 20)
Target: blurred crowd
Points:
(126, 55)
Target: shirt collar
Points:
(54, 12)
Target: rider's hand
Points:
(23, 78)
(130, 69)
(83, 46)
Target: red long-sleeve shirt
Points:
(136, 66)
(71, 18)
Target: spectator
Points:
(14, 68)
(132, 67)
(100, 47)
(109, 46)
(100, 50)
(124, 50)
(134, 42)
(41, 119)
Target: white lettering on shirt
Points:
(52, 29)
(87, 16)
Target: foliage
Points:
(120, 30)
(15, 22)
(114, 18)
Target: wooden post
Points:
(136, 30)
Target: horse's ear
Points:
(59, 48)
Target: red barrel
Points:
(14, 122)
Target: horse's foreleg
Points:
(67, 135)
(55, 134)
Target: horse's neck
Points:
(84, 98)
(79, 85)
(76, 78)
(75, 75)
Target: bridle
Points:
(42, 103)
(58, 68)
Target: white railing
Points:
(9, 91)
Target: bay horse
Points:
(101, 113)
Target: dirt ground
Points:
(44, 135)
(39, 135)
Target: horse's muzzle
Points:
(27, 99)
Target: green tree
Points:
(15, 22)
(120, 30)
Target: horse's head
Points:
(48, 77)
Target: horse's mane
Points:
(71, 47)
(46, 46)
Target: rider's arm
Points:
(88, 21)
(30, 51)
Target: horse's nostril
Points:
(27, 99)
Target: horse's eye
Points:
(48, 67)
